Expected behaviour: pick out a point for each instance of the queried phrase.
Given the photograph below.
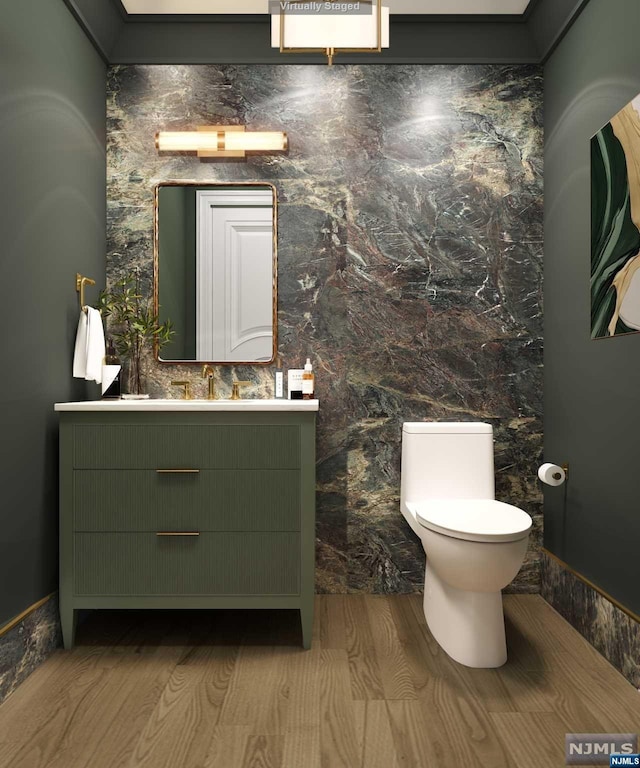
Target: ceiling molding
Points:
(264, 18)
(91, 29)
(124, 14)
(122, 38)
(119, 5)
(194, 18)
(457, 18)
(530, 9)
(252, 18)
(460, 14)
(550, 21)
(424, 43)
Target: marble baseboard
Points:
(610, 631)
(25, 646)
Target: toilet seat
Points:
(473, 519)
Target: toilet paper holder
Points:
(565, 468)
(553, 474)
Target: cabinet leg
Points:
(68, 619)
(306, 619)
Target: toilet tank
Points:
(444, 460)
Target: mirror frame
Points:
(156, 264)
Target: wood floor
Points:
(232, 689)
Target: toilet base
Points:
(469, 626)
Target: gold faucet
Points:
(235, 389)
(207, 372)
(187, 388)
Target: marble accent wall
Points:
(25, 646)
(612, 632)
(410, 267)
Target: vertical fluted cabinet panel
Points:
(210, 500)
(238, 531)
(122, 446)
(208, 564)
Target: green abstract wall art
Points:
(615, 225)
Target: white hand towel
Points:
(96, 349)
(80, 352)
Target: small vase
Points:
(135, 382)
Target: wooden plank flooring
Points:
(233, 689)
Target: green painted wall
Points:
(592, 411)
(52, 224)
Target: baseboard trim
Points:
(631, 614)
(22, 616)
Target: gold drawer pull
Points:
(177, 471)
(178, 533)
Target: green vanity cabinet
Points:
(186, 509)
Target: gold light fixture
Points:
(300, 26)
(221, 141)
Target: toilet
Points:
(474, 544)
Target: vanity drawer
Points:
(209, 500)
(175, 446)
(208, 564)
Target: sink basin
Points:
(190, 405)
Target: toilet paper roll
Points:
(552, 474)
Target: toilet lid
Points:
(473, 519)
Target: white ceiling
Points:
(261, 6)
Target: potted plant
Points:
(133, 324)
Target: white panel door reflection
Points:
(234, 267)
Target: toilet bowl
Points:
(474, 544)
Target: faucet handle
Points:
(187, 388)
(235, 389)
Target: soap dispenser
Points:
(111, 371)
(278, 380)
(308, 381)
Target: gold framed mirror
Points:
(215, 271)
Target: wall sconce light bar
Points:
(222, 141)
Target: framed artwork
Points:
(615, 225)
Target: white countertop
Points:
(190, 405)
